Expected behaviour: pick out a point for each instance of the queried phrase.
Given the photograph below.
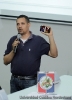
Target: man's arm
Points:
(53, 49)
(53, 52)
(8, 58)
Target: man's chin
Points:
(21, 33)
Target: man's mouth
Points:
(20, 29)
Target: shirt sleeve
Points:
(8, 48)
(44, 47)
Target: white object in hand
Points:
(57, 78)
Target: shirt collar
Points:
(31, 35)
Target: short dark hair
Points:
(24, 16)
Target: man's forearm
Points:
(8, 58)
(53, 48)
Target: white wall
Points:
(0, 22)
(48, 9)
(63, 38)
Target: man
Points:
(25, 63)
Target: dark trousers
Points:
(17, 84)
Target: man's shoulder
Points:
(38, 37)
(12, 38)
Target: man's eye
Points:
(23, 23)
(17, 24)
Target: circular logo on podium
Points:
(46, 82)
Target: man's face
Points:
(22, 26)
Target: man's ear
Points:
(28, 24)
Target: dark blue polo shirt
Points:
(28, 55)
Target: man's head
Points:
(23, 24)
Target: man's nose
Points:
(20, 25)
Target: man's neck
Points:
(26, 36)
